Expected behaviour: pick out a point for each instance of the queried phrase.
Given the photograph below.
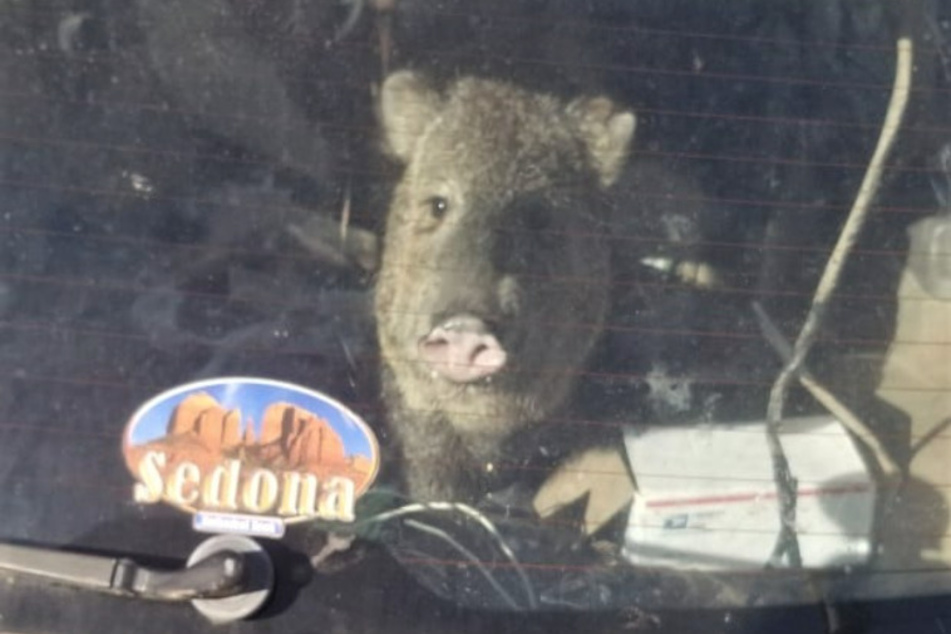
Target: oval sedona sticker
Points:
(248, 455)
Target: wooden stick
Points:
(788, 544)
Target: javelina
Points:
(493, 283)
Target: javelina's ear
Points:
(607, 133)
(407, 105)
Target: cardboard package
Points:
(916, 378)
(706, 498)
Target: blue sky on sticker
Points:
(252, 398)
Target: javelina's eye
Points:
(438, 207)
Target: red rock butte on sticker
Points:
(251, 447)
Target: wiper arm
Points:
(219, 575)
(226, 578)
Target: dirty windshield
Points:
(406, 315)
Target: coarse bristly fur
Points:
(522, 176)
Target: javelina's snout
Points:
(505, 267)
(473, 319)
(462, 349)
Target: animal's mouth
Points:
(463, 349)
